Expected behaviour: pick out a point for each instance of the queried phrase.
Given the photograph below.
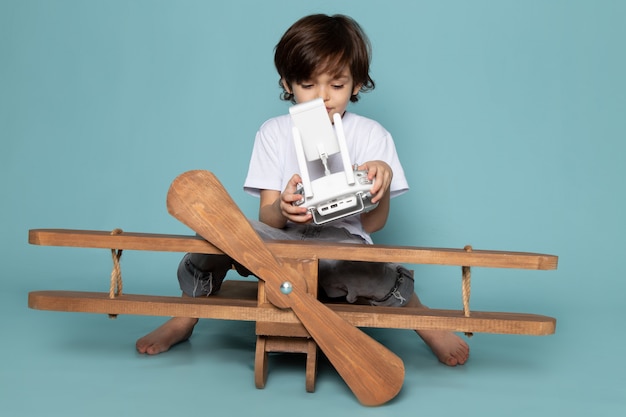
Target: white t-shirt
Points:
(273, 161)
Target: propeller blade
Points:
(373, 373)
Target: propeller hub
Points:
(286, 287)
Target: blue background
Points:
(509, 117)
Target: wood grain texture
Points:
(237, 301)
(199, 200)
(298, 249)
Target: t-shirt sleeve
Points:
(265, 167)
(380, 145)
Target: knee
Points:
(197, 277)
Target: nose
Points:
(323, 93)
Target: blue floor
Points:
(77, 364)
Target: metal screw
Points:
(286, 287)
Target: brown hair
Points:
(319, 44)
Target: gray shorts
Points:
(382, 284)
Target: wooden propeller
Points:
(373, 373)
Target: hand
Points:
(297, 214)
(382, 173)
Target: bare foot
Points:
(175, 330)
(449, 348)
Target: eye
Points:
(306, 85)
(338, 86)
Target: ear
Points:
(356, 89)
(286, 86)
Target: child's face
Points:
(336, 91)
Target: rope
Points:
(466, 286)
(116, 274)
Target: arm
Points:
(275, 208)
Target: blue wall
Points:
(509, 117)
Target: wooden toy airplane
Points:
(284, 304)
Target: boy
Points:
(328, 57)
